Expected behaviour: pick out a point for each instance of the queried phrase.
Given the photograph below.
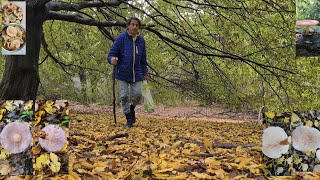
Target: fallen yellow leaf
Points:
(186, 151)
(270, 115)
(74, 175)
(100, 164)
(164, 170)
(180, 176)
(54, 164)
(2, 111)
(309, 123)
(5, 169)
(9, 106)
(98, 169)
(42, 161)
(294, 117)
(4, 154)
(219, 171)
(28, 106)
(207, 143)
(49, 108)
(202, 175)
(65, 147)
(38, 117)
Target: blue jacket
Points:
(132, 58)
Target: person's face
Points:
(133, 27)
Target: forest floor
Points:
(175, 142)
(170, 143)
(210, 113)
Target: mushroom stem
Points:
(285, 142)
(307, 31)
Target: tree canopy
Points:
(240, 53)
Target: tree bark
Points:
(21, 76)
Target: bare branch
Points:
(58, 6)
(43, 2)
(52, 15)
(45, 48)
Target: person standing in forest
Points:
(128, 54)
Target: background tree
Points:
(308, 9)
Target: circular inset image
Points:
(55, 138)
(13, 37)
(15, 137)
(12, 13)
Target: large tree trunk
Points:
(21, 75)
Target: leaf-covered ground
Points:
(160, 147)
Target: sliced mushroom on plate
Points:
(13, 37)
(12, 31)
(12, 13)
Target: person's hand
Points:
(114, 60)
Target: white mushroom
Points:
(305, 138)
(12, 6)
(16, 43)
(12, 18)
(275, 142)
(18, 13)
(15, 137)
(6, 20)
(20, 16)
(60, 103)
(10, 45)
(316, 168)
(318, 154)
(12, 31)
(36, 107)
(7, 11)
(18, 102)
(5, 37)
(307, 23)
(55, 138)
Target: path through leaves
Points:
(162, 148)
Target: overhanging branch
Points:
(43, 2)
(58, 6)
(52, 15)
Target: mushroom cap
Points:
(305, 138)
(60, 103)
(12, 31)
(6, 20)
(10, 46)
(55, 138)
(318, 154)
(16, 43)
(271, 142)
(11, 5)
(18, 13)
(18, 102)
(36, 107)
(15, 137)
(316, 168)
(307, 22)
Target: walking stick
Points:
(114, 94)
